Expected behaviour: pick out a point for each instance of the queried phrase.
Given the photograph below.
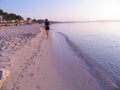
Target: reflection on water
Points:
(101, 41)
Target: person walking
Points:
(47, 28)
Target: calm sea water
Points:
(99, 46)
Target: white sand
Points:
(12, 38)
(33, 67)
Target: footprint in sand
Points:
(32, 57)
(21, 75)
(9, 65)
(12, 89)
(31, 75)
(14, 84)
(41, 50)
(40, 55)
(25, 67)
(35, 54)
(38, 87)
(17, 88)
(34, 63)
(38, 50)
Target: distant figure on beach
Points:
(47, 28)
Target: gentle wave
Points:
(88, 60)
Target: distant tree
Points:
(28, 19)
(18, 17)
(40, 21)
(34, 20)
(1, 12)
(12, 16)
(5, 16)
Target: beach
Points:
(30, 61)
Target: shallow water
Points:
(99, 46)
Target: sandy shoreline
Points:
(34, 67)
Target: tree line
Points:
(9, 16)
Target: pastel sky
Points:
(64, 10)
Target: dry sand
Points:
(33, 67)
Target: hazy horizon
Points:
(64, 10)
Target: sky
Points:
(64, 10)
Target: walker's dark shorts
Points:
(47, 28)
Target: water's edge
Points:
(94, 71)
